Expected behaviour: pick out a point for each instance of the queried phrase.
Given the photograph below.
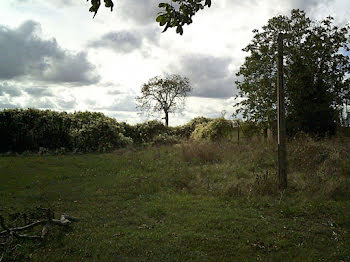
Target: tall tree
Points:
(176, 14)
(163, 95)
(315, 73)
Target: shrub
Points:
(30, 129)
(33, 129)
(96, 132)
(215, 130)
(164, 139)
(185, 131)
(250, 129)
(146, 132)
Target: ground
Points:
(193, 202)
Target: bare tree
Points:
(163, 94)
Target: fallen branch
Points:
(10, 233)
(16, 229)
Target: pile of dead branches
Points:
(41, 224)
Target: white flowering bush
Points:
(214, 130)
(165, 139)
(146, 132)
(185, 131)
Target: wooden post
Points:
(238, 127)
(281, 122)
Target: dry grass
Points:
(319, 168)
(201, 152)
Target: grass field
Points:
(191, 202)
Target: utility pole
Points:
(281, 121)
(238, 129)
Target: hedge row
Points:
(37, 130)
(32, 129)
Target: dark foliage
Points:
(32, 129)
(315, 73)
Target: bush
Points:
(165, 139)
(215, 130)
(186, 130)
(250, 129)
(96, 132)
(23, 130)
(146, 132)
(35, 130)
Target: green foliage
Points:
(148, 131)
(36, 130)
(96, 132)
(169, 16)
(30, 129)
(186, 130)
(165, 139)
(215, 130)
(178, 17)
(249, 128)
(95, 5)
(48, 131)
(315, 73)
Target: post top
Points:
(281, 36)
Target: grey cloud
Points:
(122, 104)
(66, 103)
(12, 91)
(7, 103)
(54, 2)
(71, 69)
(54, 103)
(114, 92)
(24, 54)
(140, 12)
(120, 42)
(8, 106)
(152, 34)
(128, 117)
(90, 102)
(41, 103)
(113, 88)
(108, 84)
(209, 75)
(308, 5)
(127, 41)
(38, 91)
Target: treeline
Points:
(37, 130)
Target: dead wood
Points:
(10, 233)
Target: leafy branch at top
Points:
(177, 13)
(95, 5)
(178, 17)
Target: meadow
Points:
(194, 201)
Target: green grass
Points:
(196, 202)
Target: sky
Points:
(53, 55)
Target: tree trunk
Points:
(166, 118)
(281, 123)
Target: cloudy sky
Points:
(55, 56)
